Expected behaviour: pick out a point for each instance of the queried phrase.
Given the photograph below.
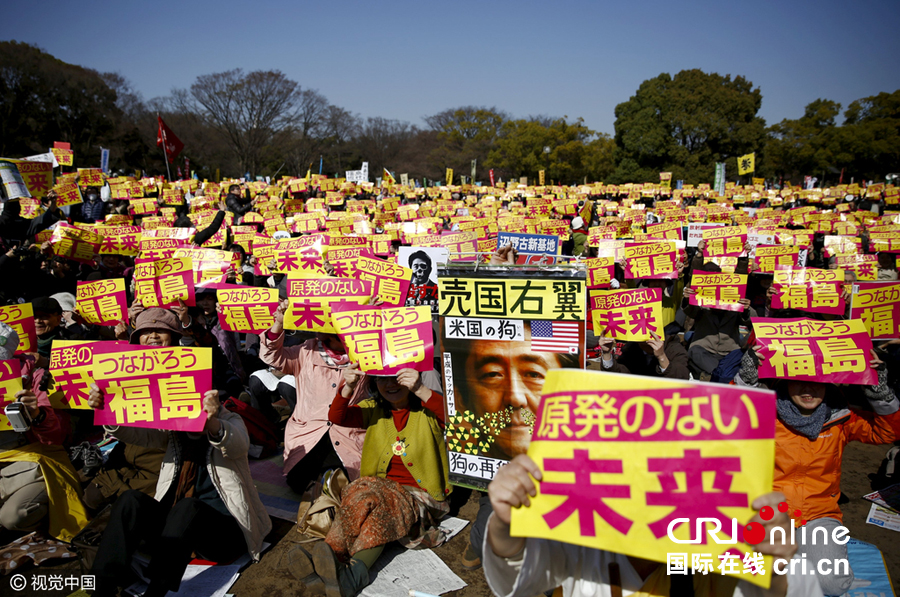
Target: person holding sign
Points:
(520, 567)
(312, 443)
(205, 499)
(656, 357)
(402, 491)
(24, 499)
(813, 427)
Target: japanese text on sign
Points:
(384, 341)
(512, 298)
(667, 454)
(811, 350)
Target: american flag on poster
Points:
(555, 336)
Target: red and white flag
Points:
(555, 336)
(166, 138)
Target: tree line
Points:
(265, 124)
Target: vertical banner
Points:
(500, 336)
(104, 160)
(102, 302)
(246, 309)
(641, 467)
(811, 350)
(21, 318)
(384, 341)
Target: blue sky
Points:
(405, 60)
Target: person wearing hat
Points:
(156, 327)
(47, 326)
(205, 500)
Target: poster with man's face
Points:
(500, 336)
(424, 262)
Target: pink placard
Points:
(153, 388)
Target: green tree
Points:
(565, 151)
(810, 145)
(685, 124)
(43, 99)
(464, 134)
(873, 135)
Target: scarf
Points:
(45, 344)
(807, 426)
(194, 456)
(331, 358)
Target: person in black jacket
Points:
(237, 204)
(14, 227)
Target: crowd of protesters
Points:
(192, 494)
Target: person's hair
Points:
(420, 255)
(415, 403)
(234, 187)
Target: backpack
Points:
(259, 428)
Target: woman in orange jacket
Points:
(814, 424)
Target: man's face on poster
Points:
(421, 270)
(507, 378)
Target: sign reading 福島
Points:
(811, 350)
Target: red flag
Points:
(173, 144)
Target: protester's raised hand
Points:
(779, 519)
(278, 323)
(505, 255)
(29, 399)
(121, 330)
(607, 345)
(351, 375)
(95, 397)
(745, 303)
(181, 310)
(211, 406)
(329, 268)
(689, 291)
(136, 307)
(409, 379)
(876, 362)
(513, 486)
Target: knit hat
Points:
(156, 319)
(9, 341)
(66, 300)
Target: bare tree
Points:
(249, 109)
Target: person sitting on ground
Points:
(312, 443)
(814, 426)
(655, 357)
(520, 567)
(402, 492)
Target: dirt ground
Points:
(267, 579)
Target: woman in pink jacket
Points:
(312, 443)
